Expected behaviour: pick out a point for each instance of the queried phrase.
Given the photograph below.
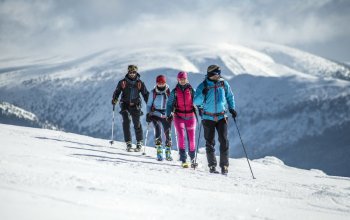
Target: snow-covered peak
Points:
(260, 59)
(303, 61)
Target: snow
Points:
(46, 174)
(7, 108)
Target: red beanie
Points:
(161, 79)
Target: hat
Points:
(182, 75)
(161, 79)
(132, 68)
(213, 70)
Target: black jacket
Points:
(130, 90)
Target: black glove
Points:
(200, 110)
(170, 118)
(114, 101)
(233, 113)
(148, 118)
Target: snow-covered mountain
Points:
(10, 114)
(291, 104)
(47, 174)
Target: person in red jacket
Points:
(180, 108)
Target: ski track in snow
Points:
(48, 174)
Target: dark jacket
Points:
(130, 90)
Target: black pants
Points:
(134, 112)
(158, 122)
(209, 135)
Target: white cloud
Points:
(88, 23)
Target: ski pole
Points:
(199, 136)
(111, 142)
(144, 147)
(177, 146)
(244, 148)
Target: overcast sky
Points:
(318, 26)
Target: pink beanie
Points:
(182, 75)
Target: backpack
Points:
(207, 88)
(138, 84)
(166, 94)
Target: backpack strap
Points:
(207, 88)
(165, 94)
(139, 85)
(154, 97)
(123, 85)
(175, 98)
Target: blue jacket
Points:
(218, 99)
(158, 103)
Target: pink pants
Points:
(181, 126)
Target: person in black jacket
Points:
(130, 104)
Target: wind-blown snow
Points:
(47, 174)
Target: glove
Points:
(114, 101)
(148, 118)
(169, 118)
(233, 113)
(200, 110)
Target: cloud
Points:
(81, 24)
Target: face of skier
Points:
(215, 77)
(161, 84)
(182, 81)
(132, 74)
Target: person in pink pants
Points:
(180, 108)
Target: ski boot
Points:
(212, 169)
(138, 146)
(159, 152)
(194, 164)
(168, 153)
(224, 170)
(185, 164)
(128, 146)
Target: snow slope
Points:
(290, 103)
(47, 174)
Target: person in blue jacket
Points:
(156, 113)
(214, 98)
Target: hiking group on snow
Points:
(211, 100)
